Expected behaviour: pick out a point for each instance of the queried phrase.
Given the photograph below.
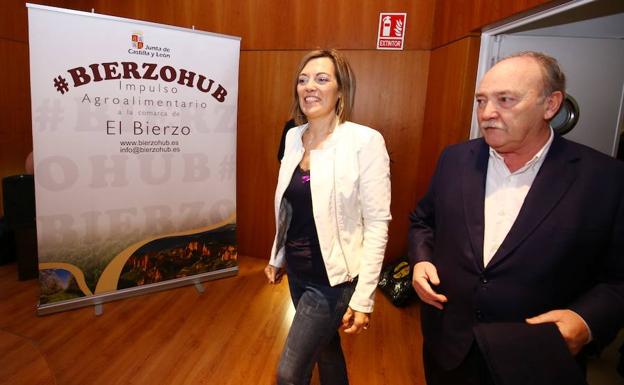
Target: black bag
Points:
(396, 282)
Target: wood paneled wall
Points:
(264, 101)
(450, 96)
(13, 18)
(391, 98)
(455, 19)
(278, 24)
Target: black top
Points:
(303, 253)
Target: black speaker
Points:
(26, 251)
(18, 195)
(7, 243)
(566, 118)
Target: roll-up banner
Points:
(134, 135)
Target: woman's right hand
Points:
(273, 274)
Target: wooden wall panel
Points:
(278, 24)
(13, 25)
(264, 101)
(391, 91)
(450, 95)
(262, 24)
(390, 98)
(455, 19)
(13, 18)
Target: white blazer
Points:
(350, 185)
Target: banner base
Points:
(99, 299)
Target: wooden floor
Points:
(231, 334)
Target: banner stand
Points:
(134, 145)
(99, 299)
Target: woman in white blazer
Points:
(332, 209)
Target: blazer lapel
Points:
(551, 183)
(293, 154)
(473, 193)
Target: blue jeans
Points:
(313, 336)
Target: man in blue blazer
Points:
(520, 226)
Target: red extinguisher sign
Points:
(391, 33)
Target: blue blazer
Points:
(565, 249)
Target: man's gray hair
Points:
(554, 78)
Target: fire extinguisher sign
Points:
(391, 30)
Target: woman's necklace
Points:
(310, 140)
(311, 137)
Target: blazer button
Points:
(483, 279)
(479, 314)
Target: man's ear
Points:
(553, 102)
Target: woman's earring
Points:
(340, 106)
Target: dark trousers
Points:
(313, 337)
(473, 370)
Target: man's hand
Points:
(425, 275)
(571, 326)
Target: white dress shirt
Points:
(504, 195)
